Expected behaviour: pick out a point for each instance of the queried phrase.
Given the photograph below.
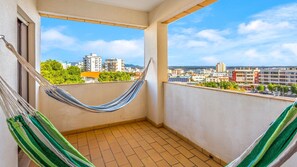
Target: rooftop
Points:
(90, 74)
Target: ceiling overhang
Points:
(126, 13)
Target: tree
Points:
(53, 71)
(114, 76)
(222, 85)
(285, 89)
(294, 88)
(271, 87)
(277, 88)
(73, 75)
(261, 88)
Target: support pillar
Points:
(155, 47)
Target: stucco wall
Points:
(67, 118)
(8, 66)
(223, 123)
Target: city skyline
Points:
(257, 37)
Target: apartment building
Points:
(283, 76)
(92, 63)
(221, 67)
(246, 75)
(66, 65)
(217, 79)
(177, 72)
(114, 64)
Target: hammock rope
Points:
(65, 97)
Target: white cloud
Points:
(195, 44)
(267, 38)
(56, 38)
(291, 47)
(260, 26)
(212, 35)
(210, 59)
(117, 48)
(251, 53)
(277, 14)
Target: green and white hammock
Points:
(275, 146)
(35, 134)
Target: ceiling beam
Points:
(172, 10)
(86, 11)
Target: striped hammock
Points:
(275, 146)
(65, 97)
(35, 134)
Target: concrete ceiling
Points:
(140, 5)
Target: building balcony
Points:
(167, 124)
(196, 131)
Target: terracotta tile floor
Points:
(138, 144)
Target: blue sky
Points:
(235, 32)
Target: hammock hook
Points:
(3, 38)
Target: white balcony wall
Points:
(155, 48)
(68, 118)
(223, 123)
(8, 64)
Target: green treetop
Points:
(53, 71)
(114, 76)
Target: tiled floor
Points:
(138, 144)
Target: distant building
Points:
(219, 74)
(217, 79)
(179, 79)
(205, 71)
(190, 72)
(246, 76)
(283, 76)
(79, 65)
(198, 78)
(177, 72)
(133, 70)
(92, 63)
(90, 77)
(114, 65)
(66, 65)
(221, 67)
(169, 71)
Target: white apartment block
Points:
(92, 63)
(283, 76)
(80, 65)
(66, 65)
(221, 67)
(114, 65)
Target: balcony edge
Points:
(234, 92)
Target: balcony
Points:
(196, 130)
(167, 124)
(121, 138)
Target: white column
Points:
(155, 42)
